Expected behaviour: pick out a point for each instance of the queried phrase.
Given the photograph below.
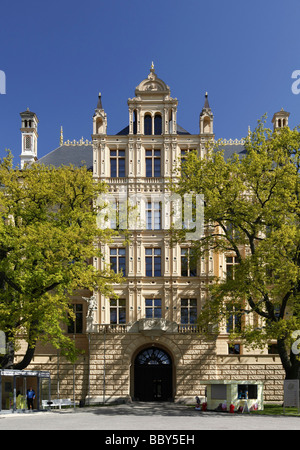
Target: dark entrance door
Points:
(153, 375)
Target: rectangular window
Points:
(76, 326)
(234, 319)
(153, 216)
(153, 262)
(117, 163)
(247, 391)
(188, 263)
(188, 311)
(153, 308)
(153, 163)
(27, 142)
(234, 349)
(118, 260)
(117, 311)
(231, 261)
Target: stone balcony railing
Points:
(147, 327)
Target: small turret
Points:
(29, 137)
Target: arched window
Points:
(153, 356)
(157, 124)
(206, 125)
(148, 124)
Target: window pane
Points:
(157, 167)
(157, 251)
(149, 313)
(148, 302)
(79, 322)
(122, 264)
(184, 315)
(121, 167)
(148, 266)
(113, 262)
(149, 220)
(122, 315)
(157, 267)
(157, 124)
(148, 125)
(184, 266)
(148, 251)
(113, 316)
(157, 313)
(113, 302)
(193, 315)
(113, 168)
(148, 167)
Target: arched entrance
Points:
(153, 375)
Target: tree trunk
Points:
(7, 361)
(290, 363)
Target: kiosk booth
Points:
(243, 395)
(14, 385)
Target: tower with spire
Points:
(100, 118)
(206, 118)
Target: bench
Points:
(57, 402)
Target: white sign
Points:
(291, 393)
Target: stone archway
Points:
(153, 375)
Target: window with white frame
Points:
(117, 163)
(188, 311)
(118, 260)
(153, 262)
(117, 311)
(188, 263)
(153, 215)
(153, 308)
(153, 163)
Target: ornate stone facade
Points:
(161, 293)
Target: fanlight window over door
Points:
(153, 356)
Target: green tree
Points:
(48, 237)
(252, 212)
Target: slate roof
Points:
(231, 149)
(75, 154)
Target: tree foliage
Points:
(252, 212)
(48, 237)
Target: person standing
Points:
(30, 397)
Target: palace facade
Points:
(146, 345)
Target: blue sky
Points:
(58, 55)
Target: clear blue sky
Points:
(58, 55)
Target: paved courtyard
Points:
(143, 416)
